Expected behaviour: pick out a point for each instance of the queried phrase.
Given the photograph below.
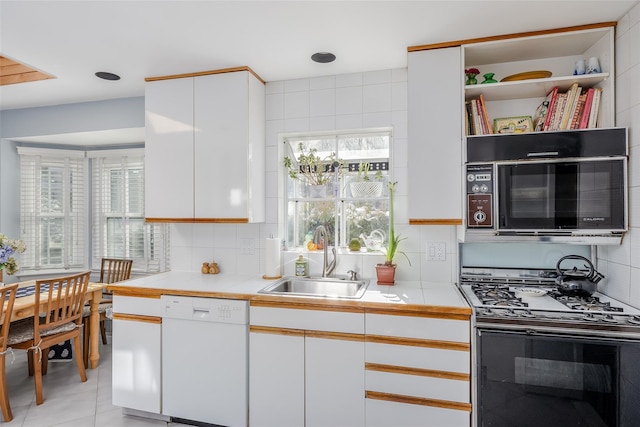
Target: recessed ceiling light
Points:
(323, 57)
(107, 76)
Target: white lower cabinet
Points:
(417, 370)
(136, 354)
(306, 368)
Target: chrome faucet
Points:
(318, 235)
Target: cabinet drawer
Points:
(385, 413)
(135, 305)
(418, 384)
(438, 359)
(431, 328)
(311, 320)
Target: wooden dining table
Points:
(24, 307)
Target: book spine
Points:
(567, 114)
(560, 103)
(552, 104)
(469, 118)
(476, 119)
(575, 120)
(485, 115)
(483, 125)
(595, 107)
(584, 120)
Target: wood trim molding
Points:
(447, 313)
(435, 221)
(378, 367)
(317, 304)
(416, 342)
(14, 72)
(125, 291)
(205, 73)
(510, 36)
(276, 331)
(413, 400)
(201, 220)
(334, 335)
(137, 318)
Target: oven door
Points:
(562, 195)
(532, 379)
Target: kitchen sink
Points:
(323, 287)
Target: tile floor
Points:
(67, 401)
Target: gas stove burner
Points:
(527, 313)
(509, 302)
(590, 317)
(587, 304)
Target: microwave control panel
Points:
(479, 196)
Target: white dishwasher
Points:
(205, 360)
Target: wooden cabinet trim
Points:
(126, 291)
(412, 400)
(415, 342)
(510, 36)
(276, 331)
(206, 73)
(334, 335)
(340, 306)
(392, 369)
(430, 312)
(435, 221)
(137, 318)
(200, 220)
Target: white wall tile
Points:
(349, 121)
(376, 120)
(325, 82)
(622, 91)
(272, 130)
(296, 105)
(399, 121)
(296, 125)
(623, 53)
(634, 15)
(634, 289)
(225, 235)
(274, 87)
(377, 77)
(634, 84)
(399, 96)
(349, 100)
(634, 45)
(399, 75)
(274, 106)
(299, 85)
(203, 235)
(322, 102)
(323, 123)
(346, 80)
(376, 98)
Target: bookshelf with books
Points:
(564, 100)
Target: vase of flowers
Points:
(471, 74)
(313, 170)
(8, 248)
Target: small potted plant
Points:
(471, 74)
(386, 272)
(313, 170)
(363, 185)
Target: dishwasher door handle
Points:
(201, 313)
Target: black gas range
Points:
(548, 358)
(535, 303)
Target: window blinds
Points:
(118, 226)
(53, 209)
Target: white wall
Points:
(621, 264)
(351, 101)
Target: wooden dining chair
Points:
(112, 270)
(7, 298)
(61, 302)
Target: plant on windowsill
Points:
(313, 170)
(8, 248)
(363, 185)
(386, 272)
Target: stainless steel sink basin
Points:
(323, 287)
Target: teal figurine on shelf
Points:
(488, 78)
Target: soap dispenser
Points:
(302, 266)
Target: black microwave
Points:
(556, 186)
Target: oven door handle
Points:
(544, 154)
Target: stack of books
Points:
(577, 108)
(476, 119)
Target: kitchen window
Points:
(322, 180)
(53, 209)
(64, 194)
(118, 226)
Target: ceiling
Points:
(72, 40)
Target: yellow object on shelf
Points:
(539, 74)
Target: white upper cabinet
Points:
(209, 166)
(169, 148)
(435, 136)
